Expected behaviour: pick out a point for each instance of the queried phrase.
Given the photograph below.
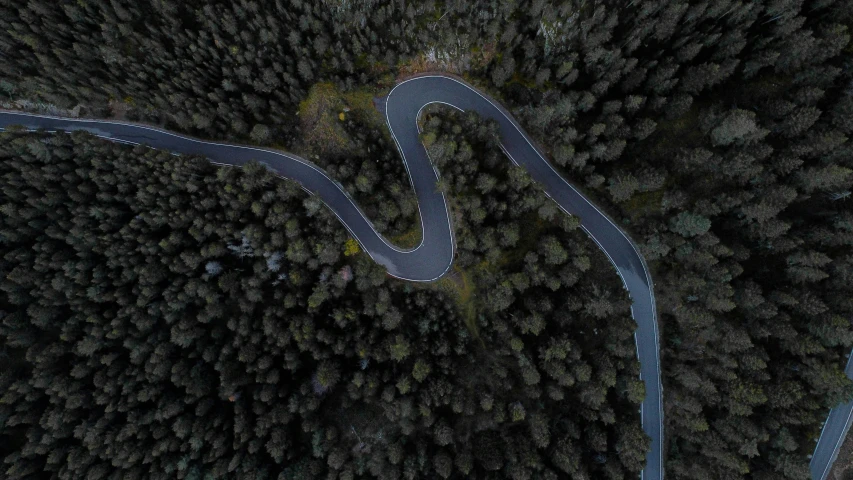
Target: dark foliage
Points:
(167, 319)
(716, 131)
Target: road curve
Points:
(832, 436)
(433, 257)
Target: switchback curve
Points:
(433, 257)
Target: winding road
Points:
(832, 436)
(434, 256)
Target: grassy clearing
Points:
(410, 239)
(327, 111)
(528, 83)
(459, 285)
(643, 204)
(319, 114)
(360, 103)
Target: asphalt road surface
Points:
(433, 257)
(832, 435)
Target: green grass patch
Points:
(322, 129)
(409, 239)
(326, 110)
(643, 204)
(458, 283)
(359, 101)
(528, 83)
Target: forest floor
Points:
(335, 123)
(323, 112)
(410, 239)
(321, 115)
(458, 283)
(843, 469)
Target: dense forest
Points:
(716, 133)
(165, 319)
(344, 133)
